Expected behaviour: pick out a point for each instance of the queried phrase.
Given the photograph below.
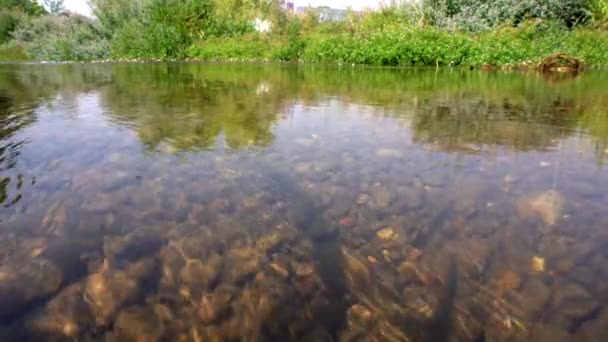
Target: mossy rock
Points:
(561, 62)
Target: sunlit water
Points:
(243, 202)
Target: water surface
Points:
(246, 202)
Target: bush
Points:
(8, 22)
(294, 48)
(480, 15)
(599, 11)
(61, 38)
(164, 30)
(28, 7)
(138, 41)
(113, 15)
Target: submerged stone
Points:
(279, 270)
(538, 264)
(386, 234)
(20, 288)
(137, 324)
(548, 205)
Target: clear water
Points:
(246, 202)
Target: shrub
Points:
(599, 11)
(294, 47)
(154, 41)
(113, 15)
(164, 30)
(479, 15)
(60, 38)
(29, 7)
(8, 22)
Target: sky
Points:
(82, 7)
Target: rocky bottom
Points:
(304, 276)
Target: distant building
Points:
(290, 8)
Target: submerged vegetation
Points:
(471, 33)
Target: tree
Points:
(29, 7)
(54, 6)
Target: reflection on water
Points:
(204, 202)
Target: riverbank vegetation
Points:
(471, 33)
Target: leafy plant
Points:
(599, 11)
(61, 38)
(8, 22)
(29, 7)
(480, 15)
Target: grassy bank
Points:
(412, 46)
(459, 33)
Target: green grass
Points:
(414, 46)
(13, 53)
(246, 47)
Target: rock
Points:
(108, 291)
(305, 269)
(137, 324)
(472, 255)
(279, 270)
(410, 274)
(386, 234)
(268, 243)
(564, 265)
(508, 281)
(538, 264)
(360, 313)
(381, 196)
(132, 247)
(534, 296)
(241, 264)
(206, 311)
(67, 314)
(55, 219)
(388, 153)
(571, 304)
(414, 254)
(307, 286)
(550, 332)
(357, 275)
(19, 288)
(419, 302)
(198, 276)
(548, 205)
(595, 330)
